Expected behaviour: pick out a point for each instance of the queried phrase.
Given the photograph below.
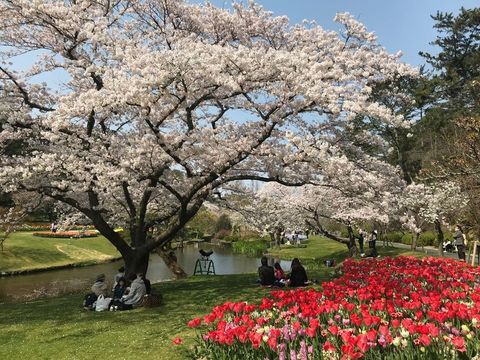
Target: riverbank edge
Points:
(59, 267)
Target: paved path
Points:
(430, 250)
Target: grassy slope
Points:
(22, 251)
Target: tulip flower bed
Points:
(394, 308)
(65, 234)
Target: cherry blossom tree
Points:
(151, 106)
(13, 216)
(350, 193)
(430, 204)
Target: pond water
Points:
(72, 280)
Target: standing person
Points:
(298, 275)
(372, 243)
(361, 240)
(266, 273)
(460, 242)
(53, 227)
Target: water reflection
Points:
(58, 282)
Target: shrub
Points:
(223, 223)
(252, 247)
(428, 238)
(203, 223)
(407, 239)
(394, 236)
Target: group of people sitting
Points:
(275, 276)
(127, 293)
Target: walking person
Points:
(361, 240)
(372, 243)
(460, 242)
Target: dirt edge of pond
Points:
(59, 267)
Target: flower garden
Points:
(66, 234)
(393, 308)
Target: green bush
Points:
(251, 247)
(428, 238)
(394, 236)
(203, 223)
(223, 223)
(407, 239)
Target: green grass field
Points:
(320, 248)
(23, 251)
(59, 328)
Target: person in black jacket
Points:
(266, 273)
(147, 283)
(298, 275)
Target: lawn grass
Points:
(59, 328)
(319, 249)
(23, 251)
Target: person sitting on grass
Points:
(120, 288)
(135, 295)
(120, 274)
(148, 285)
(266, 273)
(279, 275)
(98, 288)
(298, 275)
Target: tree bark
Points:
(168, 256)
(352, 247)
(136, 262)
(415, 237)
(440, 236)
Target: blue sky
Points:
(399, 24)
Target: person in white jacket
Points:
(135, 295)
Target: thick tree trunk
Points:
(440, 236)
(170, 260)
(136, 262)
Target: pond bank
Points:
(58, 267)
